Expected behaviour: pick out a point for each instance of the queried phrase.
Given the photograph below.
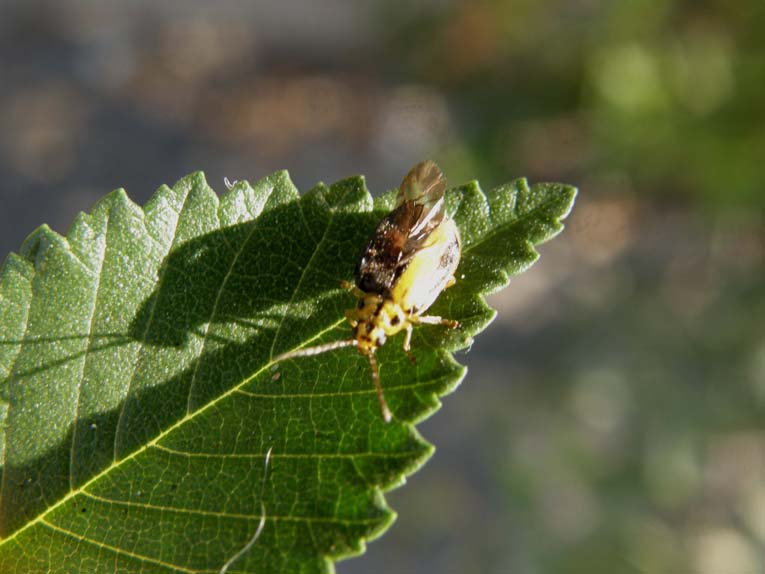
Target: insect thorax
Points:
(374, 320)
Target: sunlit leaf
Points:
(139, 399)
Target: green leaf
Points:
(138, 399)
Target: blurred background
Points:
(614, 416)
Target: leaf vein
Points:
(336, 394)
(176, 509)
(149, 324)
(508, 225)
(12, 369)
(224, 515)
(303, 275)
(86, 356)
(115, 549)
(253, 227)
(286, 455)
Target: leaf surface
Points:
(138, 396)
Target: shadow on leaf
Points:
(224, 303)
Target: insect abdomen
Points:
(429, 270)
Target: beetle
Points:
(408, 261)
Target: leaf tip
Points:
(37, 242)
(194, 180)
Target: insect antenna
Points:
(318, 349)
(380, 397)
(311, 351)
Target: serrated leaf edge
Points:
(28, 255)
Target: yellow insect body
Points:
(430, 271)
(409, 260)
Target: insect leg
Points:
(352, 316)
(376, 380)
(355, 291)
(408, 342)
(311, 351)
(434, 320)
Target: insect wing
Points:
(419, 210)
(424, 185)
(378, 266)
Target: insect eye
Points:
(360, 304)
(396, 320)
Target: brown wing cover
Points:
(402, 232)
